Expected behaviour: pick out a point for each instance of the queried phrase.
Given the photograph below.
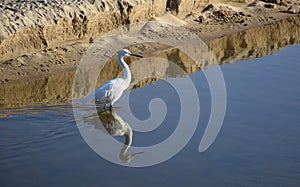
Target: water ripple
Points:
(34, 129)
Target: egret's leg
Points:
(105, 106)
(110, 107)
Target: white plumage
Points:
(110, 91)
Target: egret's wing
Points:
(103, 92)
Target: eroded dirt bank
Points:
(247, 44)
(41, 43)
(39, 25)
(28, 27)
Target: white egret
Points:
(110, 91)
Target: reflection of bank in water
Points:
(256, 42)
(113, 124)
(251, 43)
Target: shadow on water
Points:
(251, 43)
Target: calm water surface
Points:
(258, 144)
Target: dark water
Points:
(258, 144)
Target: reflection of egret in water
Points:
(114, 125)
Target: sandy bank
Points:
(32, 26)
(56, 88)
(45, 37)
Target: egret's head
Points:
(125, 52)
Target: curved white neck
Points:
(128, 137)
(128, 140)
(126, 70)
